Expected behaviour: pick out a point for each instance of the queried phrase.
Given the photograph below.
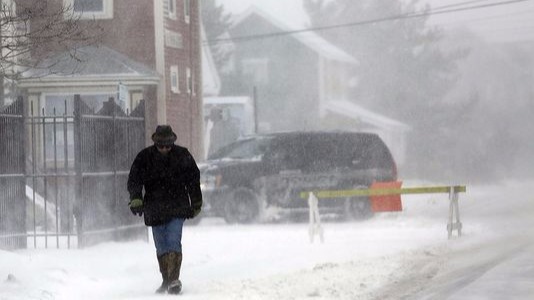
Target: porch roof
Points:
(91, 66)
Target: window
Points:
(174, 39)
(89, 9)
(88, 5)
(187, 10)
(175, 88)
(190, 83)
(249, 148)
(170, 9)
(62, 144)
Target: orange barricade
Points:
(386, 202)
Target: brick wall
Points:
(184, 108)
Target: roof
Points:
(354, 111)
(312, 133)
(228, 100)
(309, 38)
(90, 63)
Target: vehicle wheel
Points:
(360, 208)
(357, 208)
(243, 207)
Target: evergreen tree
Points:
(216, 23)
(401, 64)
(403, 71)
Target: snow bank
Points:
(400, 254)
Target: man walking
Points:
(171, 180)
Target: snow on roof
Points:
(309, 38)
(354, 111)
(227, 100)
(91, 61)
(92, 66)
(211, 82)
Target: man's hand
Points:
(196, 211)
(136, 206)
(192, 212)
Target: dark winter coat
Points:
(171, 182)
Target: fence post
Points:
(22, 163)
(115, 167)
(78, 202)
(34, 171)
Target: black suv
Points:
(259, 178)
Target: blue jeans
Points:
(168, 237)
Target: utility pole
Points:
(255, 106)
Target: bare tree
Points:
(32, 31)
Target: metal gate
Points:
(72, 191)
(106, 145)
(12, 180)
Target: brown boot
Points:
(175, 263)
(163, 269)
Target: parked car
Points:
(260, 177)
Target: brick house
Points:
(151, 48)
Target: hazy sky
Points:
(506, 22)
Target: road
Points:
(494, 261)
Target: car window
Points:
(326, 152)
(379, 155)
(331, 151)
(243, 149)
(287, 153)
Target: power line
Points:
(488, 18)
(458, 4)
(410, 15)
(512, 28)
(494, 23)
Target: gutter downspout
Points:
(159, 39)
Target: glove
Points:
(136, 206)
(196, 211)
(192, 212)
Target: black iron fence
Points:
(69, 188)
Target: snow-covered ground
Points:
(393, 256)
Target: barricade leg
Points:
(454, 214)
(315, 219)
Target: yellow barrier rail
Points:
(325, 194)
(453, 191)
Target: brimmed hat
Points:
(164, 136)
